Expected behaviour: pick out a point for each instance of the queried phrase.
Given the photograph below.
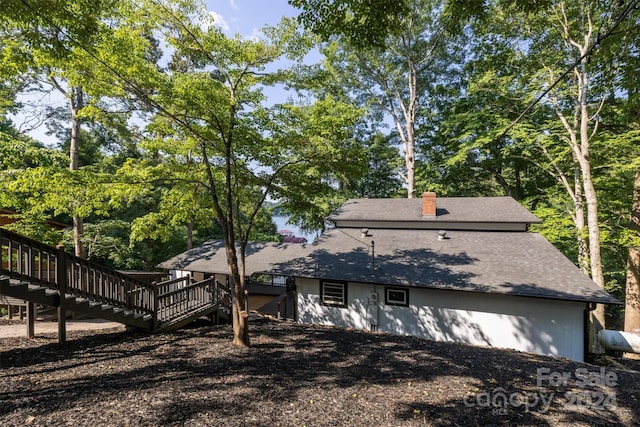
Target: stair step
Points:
(38, 288)
(106, 307)
(19, 284)
(94, 304)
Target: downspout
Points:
(292, 290)
(587, 329)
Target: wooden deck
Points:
(271, 300)
(14, 305)
(42, 274)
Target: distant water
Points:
(282, 224)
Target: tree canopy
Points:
(168, 136)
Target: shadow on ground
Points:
(295, 375)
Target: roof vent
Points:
(428, 204)
(364, 232)
(442, 235)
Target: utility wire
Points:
(372, 247)
(625, 13)
(354, 238)
(126, 82)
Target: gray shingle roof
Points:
(210, 257)
(449, 212)
(515, 263)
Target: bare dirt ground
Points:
(295, 375)
(15, 329)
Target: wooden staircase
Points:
(44, 275)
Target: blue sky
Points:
(246, 17)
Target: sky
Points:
(247, 17)
(244, 17)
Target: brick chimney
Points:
(428, 204)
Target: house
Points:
(453, 269)
(267, 290)
(289, 237)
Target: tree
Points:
(578, 101)
(632, 300)
(381, 179)
(46, 42)
(18, 153)
(209, 105)
(369, 23)
(397, 82)
(363, 23)
(542, 112)
(579, 49)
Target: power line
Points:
(625, 13)
(127, 84)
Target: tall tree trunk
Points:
(574, 190)
(590, 195)
(581, 226)
(189, 235)
(632, 297)
(591, 198)
(240, 316)
(225, 216)
(405, 122)
(76, 102)
(579, 140)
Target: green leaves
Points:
(21, 153)
(363, 23)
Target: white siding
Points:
(175, 274)
(535, 325)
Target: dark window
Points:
(333, 294)
(396, 296)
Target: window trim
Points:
(389, 301)
(324, 302)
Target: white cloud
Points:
(256, 34)
(219, 21)
(209, 18)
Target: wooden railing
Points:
(28, 260)
(182, 295)
(90, 280)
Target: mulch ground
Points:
(296, 375)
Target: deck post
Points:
(156, 305)
(31, 320)
(216, 297)
(61, 281)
